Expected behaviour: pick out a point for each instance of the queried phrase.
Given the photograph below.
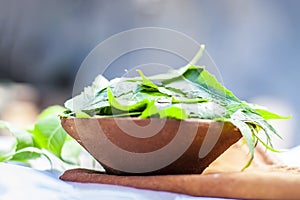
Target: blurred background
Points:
(255, 45)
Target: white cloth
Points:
(18, 182)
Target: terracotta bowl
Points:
(152, 146)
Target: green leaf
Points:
(8, 153)
(146, 81)
(150, 110)
(233, 107)
(208, 85)
(188, 101)
(266, 144)
(267, 115)
(90, 95)
(23, 141)
(204, 110)
(211, 83)
(122, 87)
(245, 131)
(173, 112)
(47, 137)
(49, 134)
(54, 110)
(167, 112)
(23, 138)
(26, 154)
(174, 74)
(81, 114)
(125, 107)
(255, 118)
(71, 151)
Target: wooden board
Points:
(264, 179)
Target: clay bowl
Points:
(131, 146)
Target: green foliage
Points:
(189, 92)
(46, 137)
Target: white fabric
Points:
(18, 182)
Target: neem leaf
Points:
(188, 101)
(26, 154)
(21, 149)
(244, 129)
(167, 112)
(52, 110)
(267, 115)
(150, 110)
(207, 83)
(23, 138)
(89, 96)
(81, 114)
(265, 144)
(248, 136)
(235, 106)
(123, 107)
(173, 74)
(8, 153)
(173, 112)
(255, 118)
(211, 83)
(123, 87)
(204, 110)
(49, 134)
(147, 82)
(71, 151)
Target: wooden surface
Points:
(264, 179)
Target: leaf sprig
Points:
(46, 139)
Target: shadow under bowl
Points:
(135, 146)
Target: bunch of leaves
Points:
(189, 92)
(46, 139)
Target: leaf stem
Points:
(197, 56)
